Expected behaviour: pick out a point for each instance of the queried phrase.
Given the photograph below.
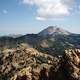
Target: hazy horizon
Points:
(32, 16)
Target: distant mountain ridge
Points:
(51, 40)
(12, 35)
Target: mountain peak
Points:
(53, 30)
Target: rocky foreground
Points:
(25, 63)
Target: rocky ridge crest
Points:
(25, 63)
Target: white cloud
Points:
(48, 9)
(5, 11)
(40, 18)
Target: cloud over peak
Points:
(50, 9)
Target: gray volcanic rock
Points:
(53, 30)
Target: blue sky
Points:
(32, 16)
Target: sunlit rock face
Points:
(22, 62)
(68, 67)
(23, 74)
(25, 63)
(72, 66)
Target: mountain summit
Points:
(53, 30)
